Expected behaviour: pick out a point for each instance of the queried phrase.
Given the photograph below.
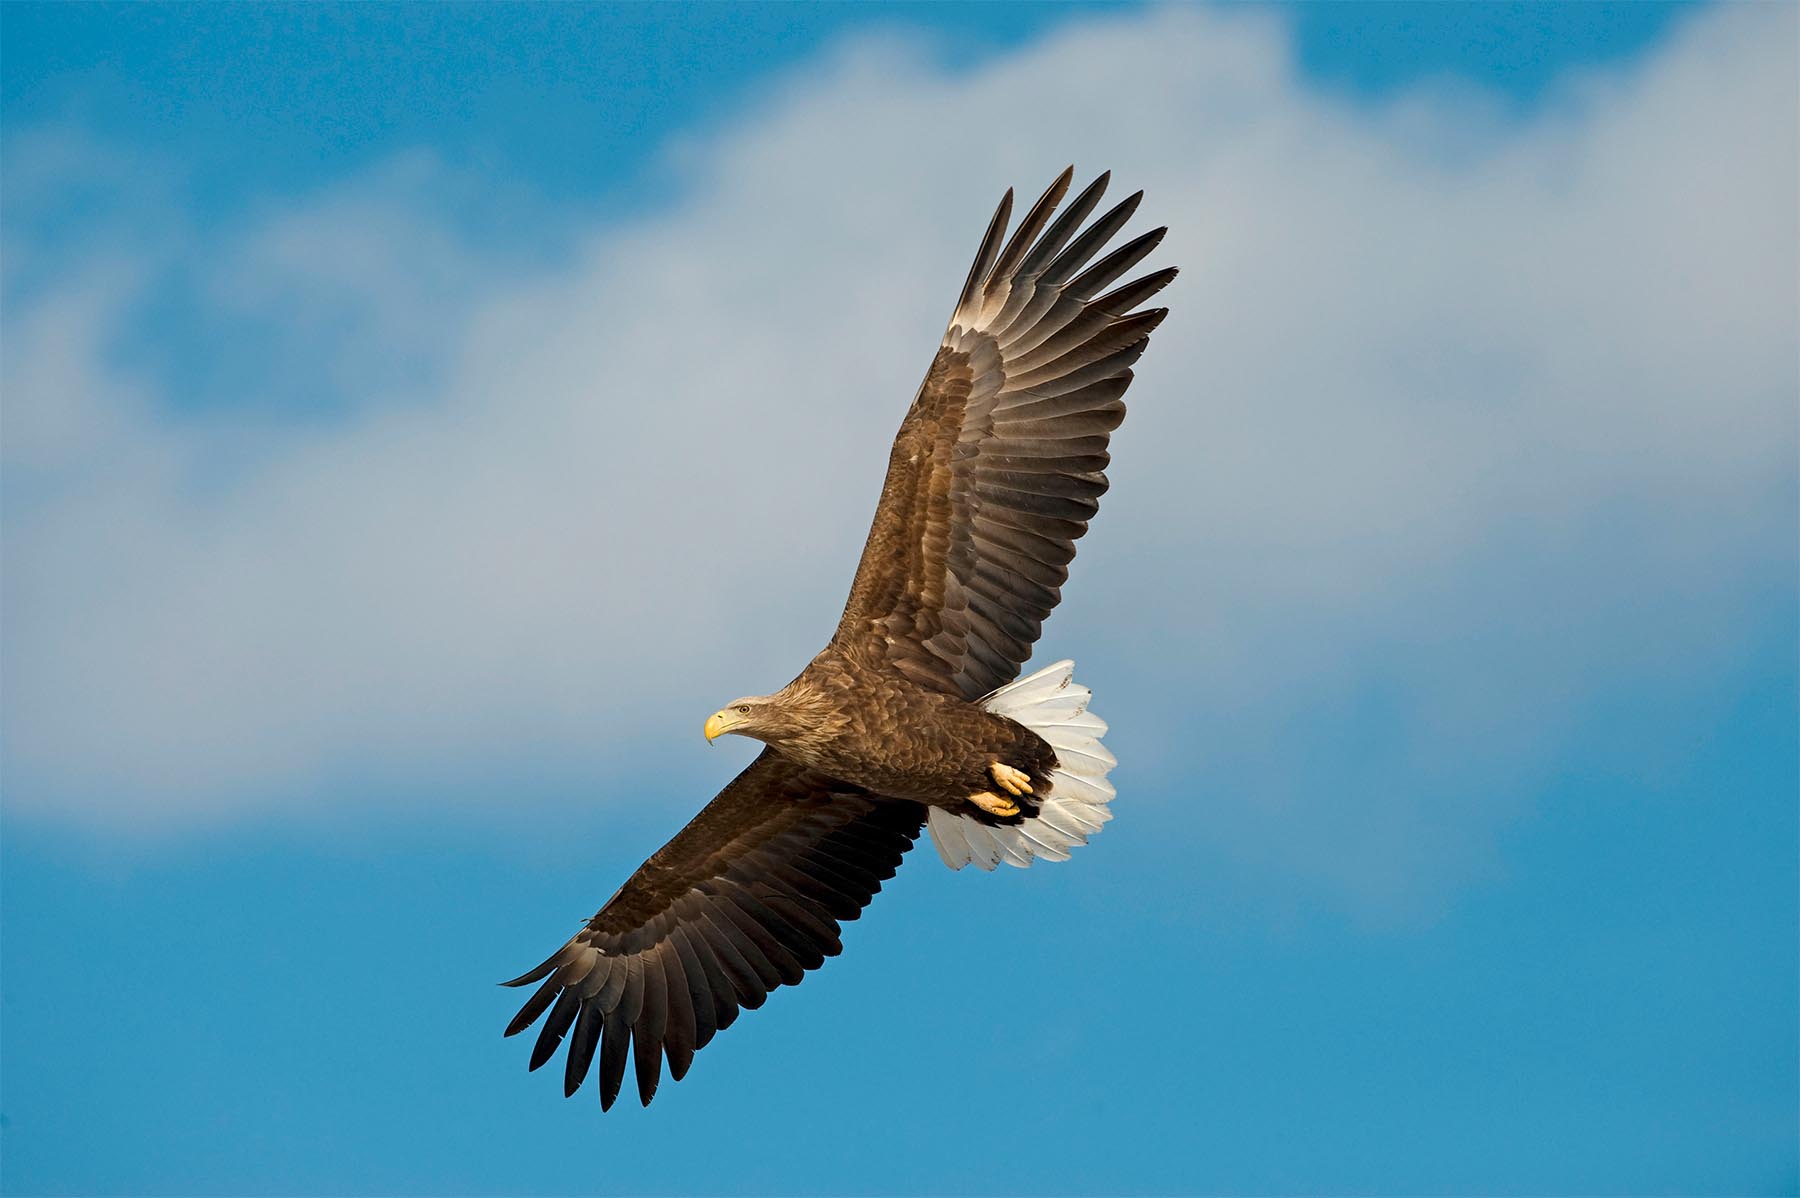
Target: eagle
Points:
(913, 716)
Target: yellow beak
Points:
(719, 723)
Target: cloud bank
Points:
(1464, 427)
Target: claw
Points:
(1013, 782)
(993, 804)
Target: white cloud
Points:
(1458, 427)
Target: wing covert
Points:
(746, 898)
(1000, 462)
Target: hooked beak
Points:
(721, 722)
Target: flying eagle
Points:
(910, 718)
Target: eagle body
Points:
(915, 713)
(877, 729)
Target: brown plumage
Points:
(994, 474)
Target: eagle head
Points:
(757, 716)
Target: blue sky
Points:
(375, 378)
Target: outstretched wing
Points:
(746, 898)
(997, 468)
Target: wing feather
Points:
(568, 1004)
(1102, 273)
(582, 1043)
(1058, 234)
(647, 1030)
(751, 976)
(1000, 462)
(748, 897)
(615, 1047)
(1089, 243)
(708, 989)
(681, 1029)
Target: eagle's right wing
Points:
(997, 468)
(746, 898)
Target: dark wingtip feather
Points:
(615, 1048)
(525, 979)
(648, 1058)
(561, 1016)
(534, 1006)
(1057, 236)
(1132, 294)
(1084, 247)
(582, 1042)
(1029, 228)
(990, 249)
(1104, 272)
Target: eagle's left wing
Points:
(746, 898)
(998, 466)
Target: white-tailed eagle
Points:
(911, 717)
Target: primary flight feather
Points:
(910, 718)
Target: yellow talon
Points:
(993, 804)
(1014, 782)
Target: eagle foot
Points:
(1013, 782)
(993, 804)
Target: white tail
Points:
(1053, 705)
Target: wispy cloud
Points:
(1460, 426)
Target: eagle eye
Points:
(743, 709)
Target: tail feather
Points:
(1075, 805)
